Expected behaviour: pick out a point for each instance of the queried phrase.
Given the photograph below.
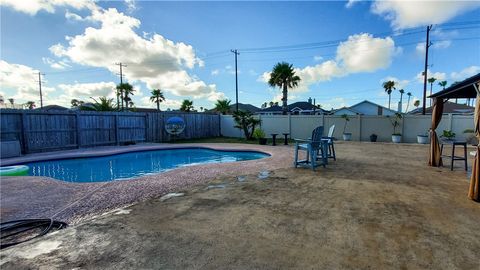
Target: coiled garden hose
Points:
(18, 231)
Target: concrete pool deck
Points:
(379, 206)
(41, 197)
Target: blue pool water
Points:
(128, 165)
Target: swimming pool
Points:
(134, 164)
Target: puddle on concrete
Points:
(241, 178)
(122, 212)
(171, 195)
(263, 175)
(216, 186)
(40, 248)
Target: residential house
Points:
(364, 108)
(297, 108)
(448, 107)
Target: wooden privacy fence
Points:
(40, 131)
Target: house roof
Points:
(368, 101)
(448, 107)
(346, 108)
(244, 107)
(463, 89)
(302, 105)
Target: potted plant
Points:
(422, 138)
(470, 136)
(448, 135)
(373, 137)
(259, 134)
(346, 136)
(396, 122)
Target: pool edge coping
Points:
(89, 153)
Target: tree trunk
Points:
(389, 97)
(284, 99)
(158, 106)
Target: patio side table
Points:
(452, 157)
(274, 139)
(286, 138)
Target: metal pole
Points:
(40, 87)
(427, 45)
(236, 78)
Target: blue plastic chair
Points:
(316, 148)
(329, 138)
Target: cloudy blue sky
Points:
(343, 51)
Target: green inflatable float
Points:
(17, 170)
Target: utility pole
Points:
(121, 82)
(236, 77)
(427, 45)
(40, 88)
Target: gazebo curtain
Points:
(473, 192)
(435, 158)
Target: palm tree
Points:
(12, 101)
(416, 103)
(103, 104)
(245, 121)
(409, 95)
(76, 103)
(389, 86)
(187, 106)
(443, 84)
(157, 97)
(401, 98)
(271, 103)
(30, 105)
(284, 77)
(123, 90)
(222, 106)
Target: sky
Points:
(342, 51)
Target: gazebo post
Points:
(473, 192)
(435, 157)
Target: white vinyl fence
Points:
(361, 127)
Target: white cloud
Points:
(317, 58)
(22, 80)
(364, 53)
(87, 90)
(442, 44)
(350, 3)
(73, 16)
(152, 59)
(334, 103)
(440, 76)
(168, 103)
(404, 14)
(55, 64)
(131, 5)
(360, 53)
(465, 73)
(31, 7)
(215, 72)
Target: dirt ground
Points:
(377, 207)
